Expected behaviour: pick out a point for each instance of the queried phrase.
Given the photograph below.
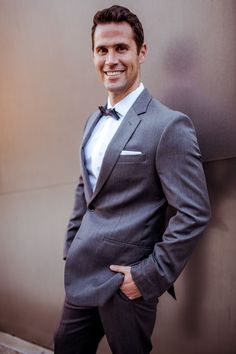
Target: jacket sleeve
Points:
(76, 216)
(179, 167)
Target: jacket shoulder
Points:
(159, 116)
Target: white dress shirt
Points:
(103, 133)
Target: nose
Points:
(111, 58)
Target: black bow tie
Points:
(109, 112)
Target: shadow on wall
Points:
(216, 131)
(215, 125)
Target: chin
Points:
(115, 88)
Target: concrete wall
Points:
(48, 88)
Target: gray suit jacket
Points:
(123, 220)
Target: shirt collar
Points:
(123, 106)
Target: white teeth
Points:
(113, 73)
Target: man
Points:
(136, 160)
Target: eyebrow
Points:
(115, 45)
(122, 43)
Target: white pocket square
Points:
(128, 152)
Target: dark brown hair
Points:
(118, 13)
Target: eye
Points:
(121, 48)
(101, 50)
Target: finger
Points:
(119, 269)
(131, 294)
(127, 286)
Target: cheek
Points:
(133, 69)
(98, 64)
(132, 64)
(99, 72)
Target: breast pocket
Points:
(132, 158)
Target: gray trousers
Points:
(127, 324)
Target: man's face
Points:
(116, 59)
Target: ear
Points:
(142, 53)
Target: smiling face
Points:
(116, 59)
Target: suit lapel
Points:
(87, 133)
(114, 149)
(90, 126)
(123, 134)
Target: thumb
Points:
(119, 269)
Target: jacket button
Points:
(91, 208)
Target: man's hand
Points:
(128, 286)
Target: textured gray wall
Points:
(47, 89)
